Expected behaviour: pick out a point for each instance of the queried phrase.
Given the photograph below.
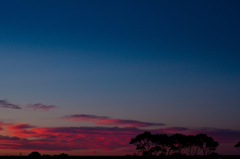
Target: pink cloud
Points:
(40, 106)
(102, 120)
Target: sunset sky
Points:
(83, 77)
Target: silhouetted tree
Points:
(155, 150)
(140, 148)
(178, 143)
(162, 144)
(143, 142)
(192, 145)
(238, 146)
(149, 144)
(208, 145)
(34, 154)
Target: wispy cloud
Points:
(42, 107)
(38, 106)
(21, 126)
(6, 104)
(103, 120)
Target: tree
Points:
(140, 148)
(192, 145)
(211, 146)
(161, 142)
(208, 145)
(155, 150)
(143, 142)
(238, 146)
(178, 142)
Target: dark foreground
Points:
(124, 157)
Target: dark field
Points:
(123, 157)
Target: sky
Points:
(83, 77)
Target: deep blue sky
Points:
(122, 50)
(174, 62)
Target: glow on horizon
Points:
(104, 140)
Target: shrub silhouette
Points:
(45, 156)
(34, 154)
(238, 146)
(62, 155)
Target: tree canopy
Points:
(148, 144)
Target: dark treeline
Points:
(238, 146)
(148, 144)
(151, 146)
(37, 155)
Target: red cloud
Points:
(114, 140)
(3, 124)
(40, 106)
(21, 130)
(27, 137)
(102, 120)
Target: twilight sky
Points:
(83, 77)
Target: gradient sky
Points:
(86, 76)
